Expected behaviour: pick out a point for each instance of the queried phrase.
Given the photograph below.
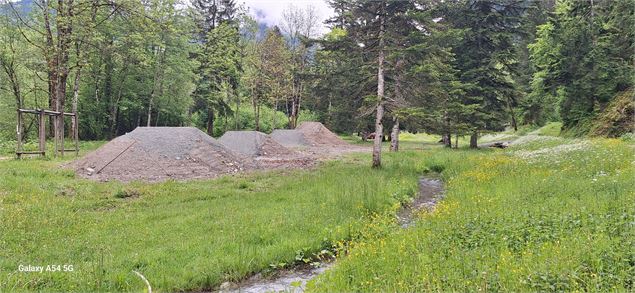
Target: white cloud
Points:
(270, 11)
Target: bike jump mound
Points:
(318, 135)
(289, 138)
(160, 153)
(254, 144)
(266, 152)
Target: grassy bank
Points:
(549, 215)
(181, 236)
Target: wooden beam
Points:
(76, 134)
(62, 138)
(47, 112)
(19, 127)
(42, 132)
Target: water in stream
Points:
(430, 191)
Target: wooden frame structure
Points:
(41, 117)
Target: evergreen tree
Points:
(218, 57)
(584, 56)
(485, 58)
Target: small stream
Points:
(295, 280)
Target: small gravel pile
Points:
(289, 138)
(318, 135)
(160, 153)
(254, 144)
(267, 153)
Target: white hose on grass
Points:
(145, 280)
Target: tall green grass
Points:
(560, 218)
(182, 235)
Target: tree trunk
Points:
(394, 135)
(237, 114)
(149, 112)
(379, 129)
(257, 117)
(456, 141)
(75, 98)
(114, 108)
(15, 82)
(210, 122)
(157, 83)
(51, 63)
(294, 113)
(447, 140)
(474, 140)
(273, 117)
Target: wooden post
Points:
(76, 134)
(42, 132)
(55, 136)
(18, 151)
(62, 147)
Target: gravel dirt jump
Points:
(161, 153)
(325, 144)
(317, 134)
(253, 144)
(264, 150)
(290, 138)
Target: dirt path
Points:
(295, 280)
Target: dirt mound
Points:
(160, 153)
(317, 134)
(254, 144)
(289, 138)
(267, 153)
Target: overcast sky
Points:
(270, 11)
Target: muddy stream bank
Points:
(295, 279)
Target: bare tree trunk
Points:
(150, 111)
(456, 141)
(210, 122)
(394, 135)
(75, 98)
(10, 70)
(512, 114)
(237, 114)
(64, 30)
(254, 103)
(447, 140)
(474, 140)
(379, 129)
(114, 108)
(258, 117)
(51, 63)
(273, 118)
(158, 80)
(447, 137)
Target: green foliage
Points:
(484, 56)
(583, 57)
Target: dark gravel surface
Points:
(289, 138)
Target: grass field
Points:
(182, 236)
(549, 214)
